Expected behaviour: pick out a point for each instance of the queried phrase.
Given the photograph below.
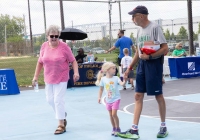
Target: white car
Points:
(98, 51)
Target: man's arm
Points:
(112, 48)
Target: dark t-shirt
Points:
(80, 57)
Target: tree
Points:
(195, 36)
(132, 37)
(37, 42)
(198, 32)
(14, 28)
(172, 36)
(182, 34)
(167, 34)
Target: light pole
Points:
(30, 26)
(6, 50)
(44, 18)
(190, 27)
(120, 18)
(110, 30)
(172, 26)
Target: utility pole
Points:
(44, 12)
(6, 50)
(30, 26)
(190, 28)
(110, 29)
(120, 18)
(25, 33)
(62, 17)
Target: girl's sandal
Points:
(60, 130)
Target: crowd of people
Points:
(56, 55)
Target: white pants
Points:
(55, 95)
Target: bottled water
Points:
(36, 88)
(104, 59)
(84, 59)
(91, 59)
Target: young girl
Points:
(106, 78)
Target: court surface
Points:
(27, 116)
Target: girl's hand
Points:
(99, 100)
(125, 78)
(126, 73)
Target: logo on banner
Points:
(90, 74)
(191, 66)
(3, 82)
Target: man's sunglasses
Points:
(52, 36)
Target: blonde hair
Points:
(105, 67)
(125, 50)
(178, 44)
(53, 29)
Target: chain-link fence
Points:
(90, 17)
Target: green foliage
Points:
(198, 32)
(195, 36)
(167, 34)
(38, 41)
(14, 28)
(182, 34)
(132, 37)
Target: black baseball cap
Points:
(139, 9)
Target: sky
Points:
(79, 13)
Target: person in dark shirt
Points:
(80, 56)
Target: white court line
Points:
(183, 100)
(155, 117)
(171, 98)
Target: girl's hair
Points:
(105, 67)
(125, 50)
(53, 29)
(178, 44)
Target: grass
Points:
(24, 67)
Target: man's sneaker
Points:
(129, 134)
(162, 133)
(118, 130)
(113, 132)
(132, 87)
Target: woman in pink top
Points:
(55, 57)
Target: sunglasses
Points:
(180, 46)
(52, 36)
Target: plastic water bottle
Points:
(84, 59)
(36, 87)
(104, 59)
(91, 59)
